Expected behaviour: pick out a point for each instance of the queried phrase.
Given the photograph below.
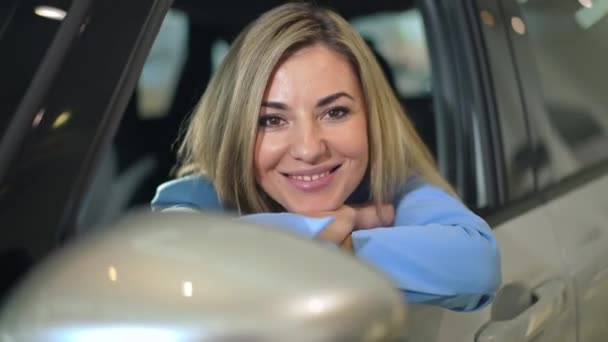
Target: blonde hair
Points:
(219, 141)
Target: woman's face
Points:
(311, 150)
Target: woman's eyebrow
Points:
(275, 105)
(331, 98)
(321, 103)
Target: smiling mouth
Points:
(312, 177)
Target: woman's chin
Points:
(313, 208)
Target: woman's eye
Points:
(270, 121)
(337, 112)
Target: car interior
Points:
(193, 38)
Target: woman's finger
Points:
(369, 216)
(342, 226)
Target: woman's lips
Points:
(312, 182)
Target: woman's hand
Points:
(350, 218)
(344, 223)
(369, 216)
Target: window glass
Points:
(399, 38)
(219, 49)
(26, 32)
(162, 70)
(399, 42)
(568, 41)
(141, 155)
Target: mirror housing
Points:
(190, 276)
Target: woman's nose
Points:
(308, 143)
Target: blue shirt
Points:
(438, 252)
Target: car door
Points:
(65, 85)
(478, 98)
(562, 58)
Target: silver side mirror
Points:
(195, 277)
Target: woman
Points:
(299, 128)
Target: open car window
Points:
(188, 49)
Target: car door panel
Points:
(580, 218)
(530, 258)
(539, 318)
(533, 273)
(563, 87)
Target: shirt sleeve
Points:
(197, 193)
(302, 225)
(192, 191)
(438, 252)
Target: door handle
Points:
(549, 303)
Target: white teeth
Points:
(311, 177)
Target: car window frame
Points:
(464, 89)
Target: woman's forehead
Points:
(314, 71)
